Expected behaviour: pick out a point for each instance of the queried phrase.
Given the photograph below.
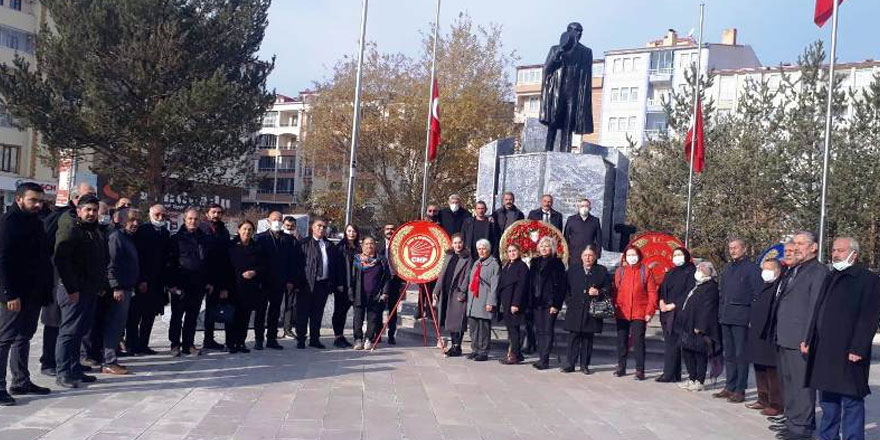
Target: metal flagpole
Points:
(356, 124)
(687, 222)
(822, 211)
(430, 110)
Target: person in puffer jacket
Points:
(635, 301)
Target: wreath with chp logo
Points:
(526, 234)
(418, 249)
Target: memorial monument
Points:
(566, 89)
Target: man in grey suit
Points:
(788, 325)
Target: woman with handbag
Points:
(588, 303)
(673, 290)
(513, 296)
(455, 268)
(547, 282)
(700, 332)
(248, 264)
(368, 277)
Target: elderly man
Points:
(453, 217)
(123, 273)
(507, 214)
(546, 213)
(188, 282)
(762, 353)
(789, 325)
(281, 250)
(839, 342)
(581, 230)
(739, 281)
(153, 242)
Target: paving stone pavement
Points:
(397, 392)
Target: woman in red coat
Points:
(636, 301)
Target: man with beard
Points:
(281, 251)
(395, 284)
(153, 242)
(218, 268)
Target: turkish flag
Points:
(824, 9)
(699, 144)
(434, 141)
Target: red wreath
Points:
(526, 234)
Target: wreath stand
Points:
(424, 298)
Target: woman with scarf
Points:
(349, 246)
(481, 286)
(698, 327)
(249, 265)
(455, 268)
(547, 285)
(368, 277)
(675, 287)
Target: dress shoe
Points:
(620, 372)
(540, 365)
(115, 369)
(471, 355)
(175, 351)
(755, 405)
(258, 345)
(6, 399)
(736, 398)
(341, 342)
(392, 340)
(89, 362)
(231, 349)
(48, 372)
(85, 378)
(453, 352)
(509, 360)
(640, 375)
(586, 371)
(771, 412)
(664, 379)
(243, 349)
(148, 351)
(723, 394)
(301, 345)
(567, 369)
(317, 344)
(29, 388)
(212, 345)
(65, 382)
(274, 345)
(192, 351)
(481, 358)
(288, 334)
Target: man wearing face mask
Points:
(281, 251)
(761, 353)
(288, 227)
(453, 217)
(153, 243)
(739, 281)
(581, 230)
(839, 342)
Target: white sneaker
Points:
(685, 385)
(359, 345)
(696, 387)
(368, 345)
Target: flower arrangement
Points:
(526, 234)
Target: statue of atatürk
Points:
(566, 92)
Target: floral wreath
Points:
(526, 234)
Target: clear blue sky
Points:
(308, 36)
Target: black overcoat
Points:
(579, 233)
(676, 285)
(700, 312)
(577, 301)
(844, 322)
(452, 222)
(513, 291)
(456, 310)
(760, 351)
(154, 253)
(473, 230)
(555, 217)
(25, 267)
(567, 92)
(547, 282)
(248, 293)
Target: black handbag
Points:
(225, 313)
(601, 307)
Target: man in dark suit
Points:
(546, 213)
(395, 284)
(281, 251)
(582, 230)
(789, 325)
(507, 214)
(452, 217)
(478, 227)
(322, 275)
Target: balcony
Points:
(661, 75)
(654, 105)
(653, 134)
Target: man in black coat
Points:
(788, 325)
(479, 227)
(582, 229)
(25, 286)
(153, 242)
(839, 342)
(507, 214)
(218, 268)
(281, 250)
(761, 353)
(546, 213)
(739, 281)
(322, 275)
(188, 284)
(452, 218)
(395, 284)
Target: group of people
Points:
(99, 278)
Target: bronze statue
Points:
(567, 89)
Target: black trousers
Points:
(580, 347)
(514, 339)
(671, 356)
(635, 330)
(372, 313)
(273, 315)
(457, 337)
(50, 339)
(310, 311)
(185, 317)
(16, 331)
(139, 326)
(341, 305)
(236, 332)
(93, 341)
(260, 311)
(696, 364)
(395, 285)
(210, 305)
(529, 339)
(544, 329)
(76, 317)
(289, 311)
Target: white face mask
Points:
(584, 211)
(453, 207)
(288, 231)
(632, 260)
(104, 220)
(845, 264)
(678, 260)
(768, 275)
(158, 223)
(275, 226)
(700, 277)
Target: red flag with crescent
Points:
(824, 9)
(435, 122)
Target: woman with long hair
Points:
(368, 278)
(455, 268)
(349, 246)
(249, 265)
(513, 291)
(547, 286)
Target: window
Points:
(266, 163)
(627, 64)
(529, 76)
(637, 64)
(624, 94)
(270, 119)
(661, 61)
(16, 39)
(9, 158)
(287, 163)
(533, 104)
(615, 94)
(612, 124)
(15, 4)
(267, 141)
(631, 123)
(5, 117)
(617, 65)
(633, 93)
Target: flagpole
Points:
(356, 122)
(687, 222)
(424, 204)
(828, 114)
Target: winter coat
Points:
(248, 294)
(577, 302)
(548, 283)
(844, 323)
(187, 263)
(154, 254)
(579, 233)
(513, 291)
(738, 284)
(218, 268)
(488, 288)
(505, 217)
(635, 292)
(281, 252)
(451, 222)
(357, 292)
(760, 351)
(700, 312)
(25, 267)
(123, 269)
(673, 290)
(456, 306)
(790, 315)
(81, 256)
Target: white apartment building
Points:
(279, 160)
(20, 22)
(637, 80)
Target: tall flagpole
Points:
(424, 205)
(687, 222)
(828, 115)
(356, 123)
